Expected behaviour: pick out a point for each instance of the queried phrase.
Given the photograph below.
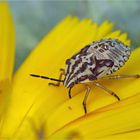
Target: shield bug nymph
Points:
(95, 61)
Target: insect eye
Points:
(68, 61)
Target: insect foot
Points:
(70, 93)
(85, 108)
(115, 95)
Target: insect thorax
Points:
(96, 60)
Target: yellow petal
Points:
(7, 54)
(7, 42)
(114, 34)
(32, 98)
(121, 37)
(104, 29)
(129, 135)
(117, 120)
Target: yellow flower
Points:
(7, 52)
(35, 110)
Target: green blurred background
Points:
(34, 19)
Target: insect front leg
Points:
(108, 90)
(60, 78)
(85, 98)
(70, 92)
(122, 76)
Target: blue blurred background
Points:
(34, 19)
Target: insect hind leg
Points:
(62, 72)
(108, 90)
(122, 76)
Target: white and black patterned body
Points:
(95, 60)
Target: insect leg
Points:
(122, 76)
(108, 90)
(85, 98)
(70, 92)
(60, 77)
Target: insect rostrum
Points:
(94, 61)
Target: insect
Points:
(95, 61)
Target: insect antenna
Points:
(45, 77)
